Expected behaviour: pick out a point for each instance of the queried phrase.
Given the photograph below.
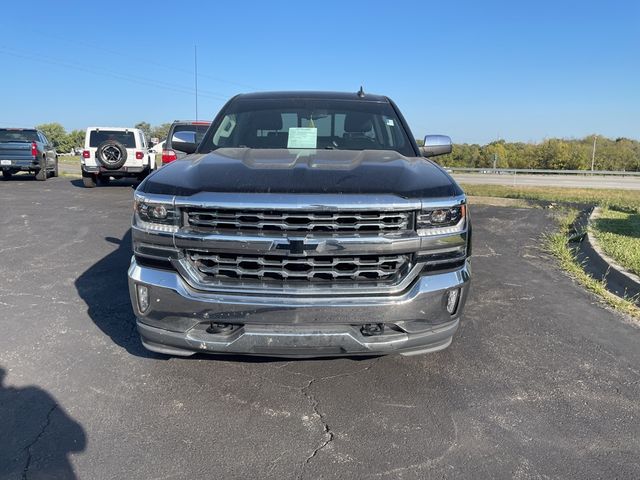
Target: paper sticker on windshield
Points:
(390, 122)
(302, 137)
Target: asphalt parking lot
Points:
(541, 381)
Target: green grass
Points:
(618, 233)
(69, 160)
(558, 244)
(606, 197)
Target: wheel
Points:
(42, 174)
(6, 174)
(111, 154)
(56, 171)
(103, 180)
(88, 181)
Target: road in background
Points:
(556, 180)
(540, 381)
(538, 180)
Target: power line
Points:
(148, 62)
(101, 72)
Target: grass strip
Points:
(558, 245)
(618, 233)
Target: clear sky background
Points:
(475, 70)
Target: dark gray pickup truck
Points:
(27, 150)
(304, 224)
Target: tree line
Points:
(554, 153)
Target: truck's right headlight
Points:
(441, 221)
(158, 217)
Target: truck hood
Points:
(245, 170)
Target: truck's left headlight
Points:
(157, 217)
(441, 221)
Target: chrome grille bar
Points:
(375, 268)
(294, 221)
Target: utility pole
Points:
(593, 153)
(195, 62)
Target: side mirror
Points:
(184, 141)
(186, 147)
(435, 145)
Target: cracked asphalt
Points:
(541, 381)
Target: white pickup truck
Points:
(115, 152)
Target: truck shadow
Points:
(37, 434)
(122, 182)
(104, 289)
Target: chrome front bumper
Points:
(177, 318)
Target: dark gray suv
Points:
(190, 131)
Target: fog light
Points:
(143, 297)
(452, 300)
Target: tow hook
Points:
(372, 329)
(222, 328)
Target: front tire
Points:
(56, 171)
(6, 174)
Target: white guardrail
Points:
(537, 171)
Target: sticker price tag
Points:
(302, 137)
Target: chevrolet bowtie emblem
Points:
(298, 246)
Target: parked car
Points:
(304, 224)
(115, 152)
(27, 150)
(182, 131)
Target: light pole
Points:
(593, 153)
(195, 64)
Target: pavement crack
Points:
(327, 434)
(28, 448)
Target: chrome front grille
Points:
(213, 267)
(298, 221)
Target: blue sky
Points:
(473, 70)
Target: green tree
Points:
(160, 131)
(75, 139)
(146, 129)
(553, 153)
(55, 133)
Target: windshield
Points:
(8, 135)
(98, 136)
(309, 124)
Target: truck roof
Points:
(115, 129)
(368, 97)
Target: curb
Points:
(619, 281)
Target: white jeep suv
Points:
(115, 152)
